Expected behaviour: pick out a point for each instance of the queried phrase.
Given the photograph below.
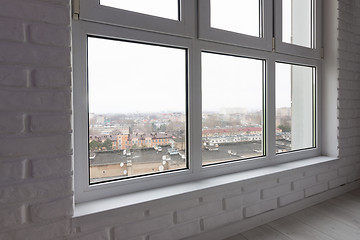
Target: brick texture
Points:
(35, 103)
(36, 175)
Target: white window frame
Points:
(206, 32)
(91, 10)
(288, 48)
(95, 22)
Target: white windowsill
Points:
(97, 206)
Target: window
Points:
(295, 98)
(161, 8)
(297, 22)
(119, 71)
(231, 14)
(232, 107)
(164, 94)
(298, 27)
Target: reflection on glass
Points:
(160, 8)
(240, 16)
(297, 22)
(294, 107)
(232, 108)
(137, 118)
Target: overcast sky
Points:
(127, 77)
(160, 8)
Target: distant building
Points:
(233, 131)
(137, 140)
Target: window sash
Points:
(288, 48)
(206, 32)
(92, 11)
(85, 191)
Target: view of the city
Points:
(137, 116)
(137, 100)
(232, 104)
(123, 145)
(231, 135)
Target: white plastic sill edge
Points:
(97, 206)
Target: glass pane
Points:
(297, 23)
(232, 108)
(240, 16)
(160, 8)
(294, 107)
(137, 118)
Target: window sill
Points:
(97, 206)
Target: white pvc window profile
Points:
(313, 146)
(169, 9)
(230, 43)
(237, 35)
(92, 10)
(84, 190)
(303, 33)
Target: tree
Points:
(212, 121)
(95, 145)
(148, 127)
(107, 144)
(285, 128)
(162, 128)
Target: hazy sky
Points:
(228, 14)
(231, 82)
(160, 8)
(126, 77)
(283, 85)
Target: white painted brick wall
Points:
(337, 182)
(349, 87)
(51, 210)
(260, 207)
(178, 232)
(12, 30)
(211, 208)
(14, 76)
(128, 231)
(12, 171)
(102, 235)
(245, 199)
(35, 131)
(51, 166)
(36, 156)
(290, 198)
(303, 183)
(318, 188)
(276, 191)
(51, 78)
(42, 231)
(325, 177)
(222, 219)
(12, 216)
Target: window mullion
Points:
(270, 109)
(194, 108)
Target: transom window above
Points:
(240, 16)
(160, 8)
(298, 22)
